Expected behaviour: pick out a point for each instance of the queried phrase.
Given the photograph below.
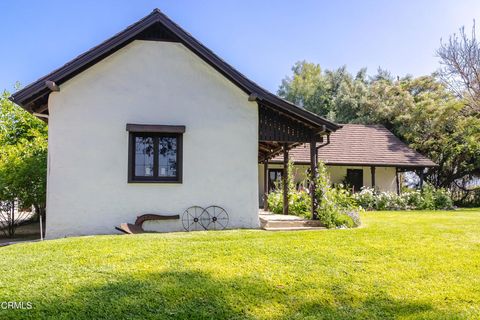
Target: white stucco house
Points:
(153, 122)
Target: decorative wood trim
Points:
(52, 85)
(154, 128)
(280, 127)
(393, 165)
(253, 97)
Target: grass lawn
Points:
(404, 265)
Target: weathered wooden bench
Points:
(136, 228)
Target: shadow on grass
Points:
(196, 295)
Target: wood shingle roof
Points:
(363, 145)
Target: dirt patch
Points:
(25, 232)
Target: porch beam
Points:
(278, 150)
(285, 178)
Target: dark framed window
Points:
(155, 153)
(274, 177)
(354, 179)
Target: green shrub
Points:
(413, 199)
(299, 202)
(428, 198)
(336, 206)
(355, 216)
(344, 220)
(275, 202)
(443, 200)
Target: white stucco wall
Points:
(149, 82)
(384, 176)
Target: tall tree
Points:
(460, 60)
(436, 124)
(317, 90)
(23, 156)
(422, 111)
(308, 88)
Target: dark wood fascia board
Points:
(89, 58)
(381, 165)
(404, 166)
(154, 128)
(83, 61)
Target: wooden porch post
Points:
(421, 178)
(265, 185)
(372, 171)
(397, 180)
(313, 178)
(285, 178)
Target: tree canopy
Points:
(460, 61)
(23, 155)
(423, 111)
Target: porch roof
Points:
(362, 145)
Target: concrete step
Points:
(294, 229)
(289, 224)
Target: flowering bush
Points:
(299, 201)
(428, 199)
(336, 206)
(366, 198)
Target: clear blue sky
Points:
(262, 39)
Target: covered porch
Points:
(360, 156)
(279, 132)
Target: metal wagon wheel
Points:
(218, 218)
(195, 219)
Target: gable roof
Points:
(363, 145)
(157, 26)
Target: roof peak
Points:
(34, 97)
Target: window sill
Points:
(154, 181)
